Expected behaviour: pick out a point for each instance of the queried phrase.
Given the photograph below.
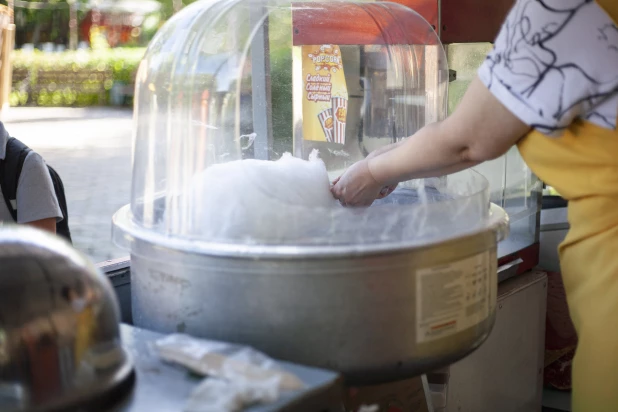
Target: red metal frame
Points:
(426, 8)
(362, 23)
(460, 21)
(472, 21)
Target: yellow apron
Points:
(582, 165)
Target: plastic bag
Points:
(219, 395)
(234, 363)
(238, 376)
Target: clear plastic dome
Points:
(245, 110)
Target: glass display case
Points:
(323, 82)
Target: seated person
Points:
(36, 201)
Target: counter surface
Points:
(165, 387)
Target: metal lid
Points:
(59, 325)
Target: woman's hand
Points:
(357, 186)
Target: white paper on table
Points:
(239, 376)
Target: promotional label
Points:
(325, 95)
(455, 296)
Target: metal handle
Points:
(508, 270)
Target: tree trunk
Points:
(36, 34)
(72, 27)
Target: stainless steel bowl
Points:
(59, 326)
(375, 314)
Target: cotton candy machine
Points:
(244, 111)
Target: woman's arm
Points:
(480, 129)
(426, 154)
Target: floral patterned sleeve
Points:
(555, 61)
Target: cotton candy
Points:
(269, 201)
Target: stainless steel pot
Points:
(59, 327)
(374, 314)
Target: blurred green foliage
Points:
(280, 36)
(117, 66)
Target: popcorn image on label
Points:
(327, 122)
